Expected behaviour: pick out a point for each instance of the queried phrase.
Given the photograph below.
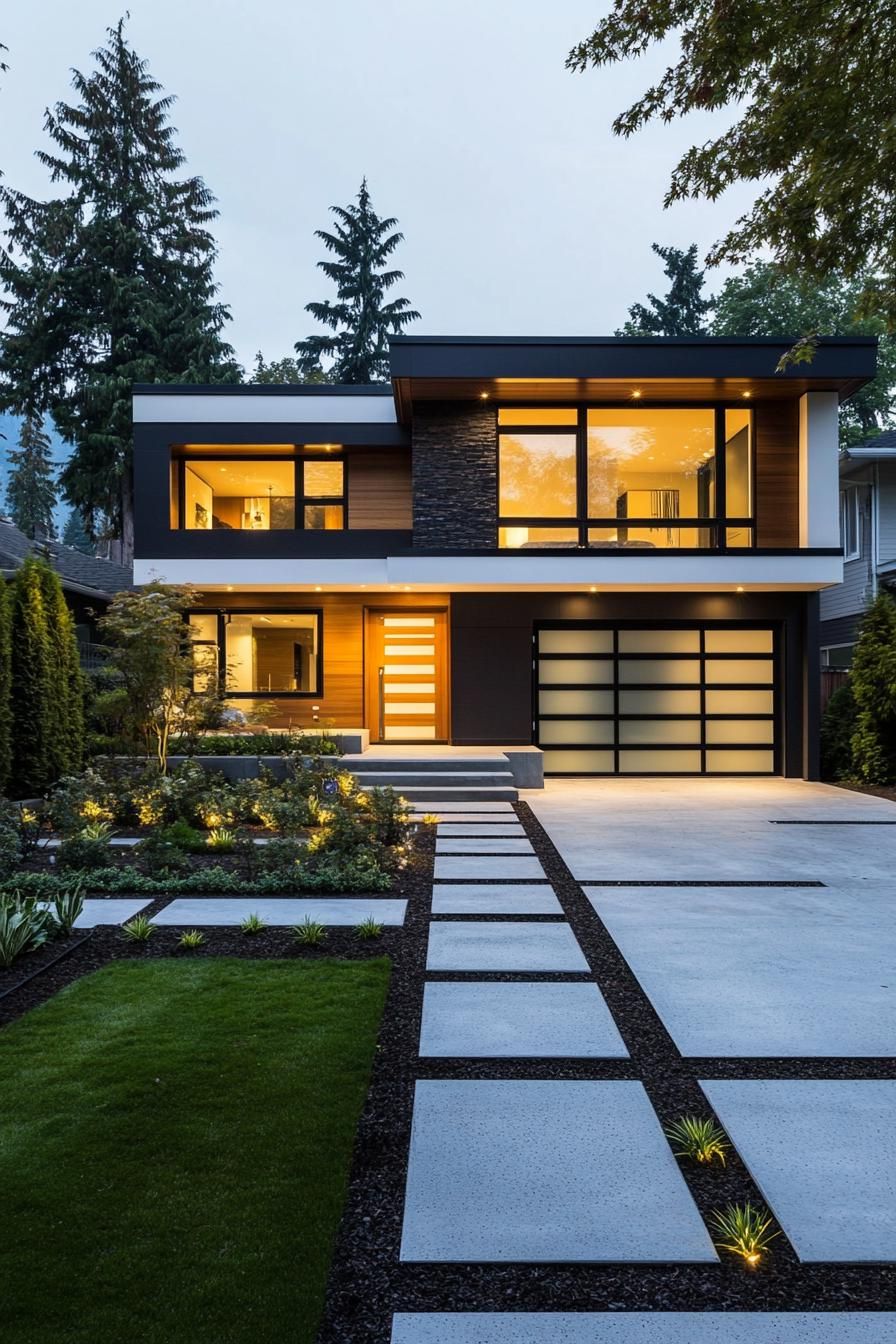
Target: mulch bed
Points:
(886, 791)
(368, 1283)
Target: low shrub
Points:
(190, 939)
(262, 744)
(837, 728)
(88, 849)
(388, 816)
(160, 856)
(83, 799)
(278, 855)
(309, 933)
(138, 930)
(369, 928)
(181, 834)
(221, 839)
(67, 906)
(252, 924)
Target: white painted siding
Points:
(274, 410)
(887, 512)
(849, 597)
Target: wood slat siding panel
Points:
(379, 490)
(342, 701)
(777, 474)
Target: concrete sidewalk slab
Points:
(503, 946)
(281, 911)
(494, 898)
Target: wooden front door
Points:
(407, 675)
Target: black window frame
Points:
(223, 613)
(297, 459)
(717, 526)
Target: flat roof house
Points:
(610, 548)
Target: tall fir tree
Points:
(361, 319)
(5, 686)
(66, 709)
(31, 487)
(683, 311)
(112, 282)
(31, 688)
(74, 533)
(873, 682)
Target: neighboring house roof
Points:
(879, 449)
(78, 573)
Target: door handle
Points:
(381, 686)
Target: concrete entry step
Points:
(438, 777)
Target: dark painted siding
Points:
(455, 475)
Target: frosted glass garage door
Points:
(656, 700)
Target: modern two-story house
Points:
(868, 538)
(609, 548)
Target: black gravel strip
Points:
(368, 1283)
(801, 822)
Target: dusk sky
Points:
(522, 213)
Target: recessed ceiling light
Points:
(746, 394)
(739, 588)
(483, 396)
(230, 587)
(317, 587)
(636, 394)
(592, 589)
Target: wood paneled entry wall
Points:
(407, 675)
(342, 701)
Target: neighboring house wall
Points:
(886, 475)
(848, 599)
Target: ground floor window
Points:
(259, 652)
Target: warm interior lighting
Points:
(230, 587)
(317, 588)
(636, 394)
(483, 396)
(739, 588)
(746, 394)
(592, 589)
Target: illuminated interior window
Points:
(650, 478)
(323, 496)
(238, 495)
(272, 653)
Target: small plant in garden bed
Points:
(700, 1139)
(221, 839)
(138, 930)
(430, 819)
(68, 905)
(252, 924)
(309, 933)
(24, 926)
(369, 928)
(88, 849)
(745, 1231)
(190, 939)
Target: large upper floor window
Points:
(258, 493)
(641, 478)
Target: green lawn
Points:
(174, 1147)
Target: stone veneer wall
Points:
(455, 475)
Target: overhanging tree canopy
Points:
(813, 80)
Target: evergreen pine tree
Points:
(66, 711)
(360, 320)
(31, 687)
(683, 311)
(873, 682)
(111, 283)
(31, 487)
(5, 683)
(74, 533)
(286, 370)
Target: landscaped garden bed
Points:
(178, 1135)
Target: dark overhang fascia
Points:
(841, 364)
(158, 434)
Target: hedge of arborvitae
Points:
(41, 686)
(858, 734)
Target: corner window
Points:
(261, 653)
(650, 478)
(849, 523)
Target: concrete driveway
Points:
(717, 830)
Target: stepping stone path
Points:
(479, 867)
(109, 911)
(508, 1019)
(280, 911)
(494, 898)
(503, 947)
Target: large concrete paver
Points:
(644, 1327)
(518, 1020)
(505, 946)
(494, 898)
(489, 831)
(479, 867)
(741, 971)
(546, 1171)
(450, 844)
(823, 1153)
(281, 911)
(98, 910)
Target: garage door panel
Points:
(575, 702)
(671, 700)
